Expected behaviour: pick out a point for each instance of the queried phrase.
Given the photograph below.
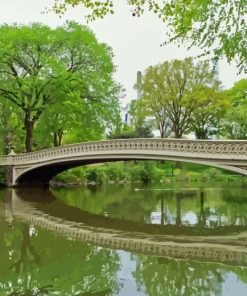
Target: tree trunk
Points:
(178, 208)
(57, 137)
(6, 139)
(55, 141)
(202, 216)
(29, 132)
(60, 136)
(162, 210)
(162, 133)
(178, 134)
(201, 133)
(178, 164)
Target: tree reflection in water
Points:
(214, 210)
(162, 276)
(36, 261)
(41, 264)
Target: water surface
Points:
(169, 239)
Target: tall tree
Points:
(217, 27)
(40, 66)
(168, 93)
(153, 105)
(207, 120)
(137, 118)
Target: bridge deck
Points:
(230, 155)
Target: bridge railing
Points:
(235, 149)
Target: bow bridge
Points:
(38, 168)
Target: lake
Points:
(125, 239)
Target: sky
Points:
(135, 41)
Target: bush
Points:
(76, 175)
(145, 171)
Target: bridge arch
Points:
(40, 167)
(43, 173)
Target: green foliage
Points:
(217, 27)
(207, 120)
(128, 132)
(238, 93)
(136, 113)
(170, 93)
(63, 75)
(235, 124)
(41, 265)
(139, 171)
(75, 176)
(11, 127)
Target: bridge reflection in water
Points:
(72, 223)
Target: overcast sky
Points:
(135, 41)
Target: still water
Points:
(124, 240)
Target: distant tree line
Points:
(185, 97)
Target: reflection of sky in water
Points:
(233, 286)
(228, 282)
(128, 266)
(189, 218)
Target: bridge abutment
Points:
(33, 181)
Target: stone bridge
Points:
(38, 168)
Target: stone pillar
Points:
(9, 175)
(9, 170)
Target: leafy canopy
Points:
(235, 120)
(218, 27)
(40, 67)
(169, 93)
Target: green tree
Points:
(235, 124)
(128, 132)
(67, 121)
(238, 92)
(168, 93)
(217, 27)
(137, 117)
(41, 66)
(10, 126)
(208, 118)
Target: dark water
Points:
(124, 240)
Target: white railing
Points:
(194, 147)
